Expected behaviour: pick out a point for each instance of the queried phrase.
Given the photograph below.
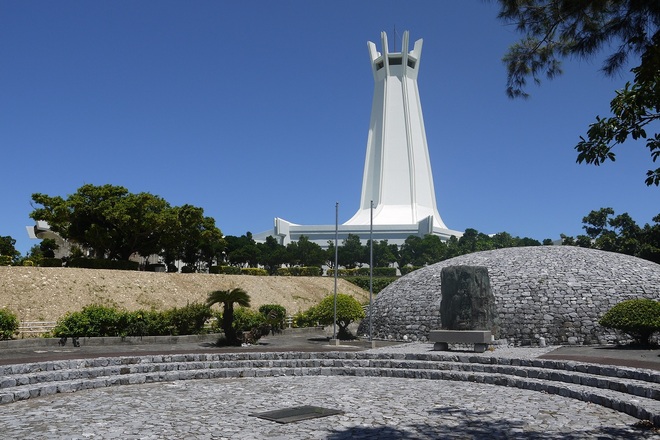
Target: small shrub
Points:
(225, 270)
(93, 320)
(304, 271)
(639, 318)
(155, 267)
(254, 271)
(246, 319)
(274, 314)
(187, 269)
(8, 324)
(306, 318)
(96, 320)
(6, 260)
(190, 319)
(405, 270)
(51, 262)
(97, 263)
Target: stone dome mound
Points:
(554, 292)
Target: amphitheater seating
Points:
(632, 391)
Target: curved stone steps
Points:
(634, 392)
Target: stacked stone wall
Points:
(553, 292)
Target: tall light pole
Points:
(334, 321)
(371, 266)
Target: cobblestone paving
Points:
(375, 408)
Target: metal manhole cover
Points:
(297, 413)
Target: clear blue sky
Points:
(260, 109)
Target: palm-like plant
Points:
(228, 298)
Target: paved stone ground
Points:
(374, 408)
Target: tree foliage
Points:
(115, 224)
(348, 310)
(556, 29)
(7, 248)
(618, 233)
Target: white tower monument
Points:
(397, 170)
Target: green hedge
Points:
(254, 271)
(156, 267)
(312, 271)
(225, 270)
(51, 262)
(98, 320)
(96, 263)
(364, 271)
(405, 270)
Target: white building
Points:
(397, 170)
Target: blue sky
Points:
(260, 109)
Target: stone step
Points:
(639, 407)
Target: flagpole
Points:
(334, 321)
(371, 266)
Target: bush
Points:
(225, 270)
(97, 320)
(254, 271)
(93, 320)
(246, 319)
(6, 260)
(188, 320)
(405, 270)
(306, 318)
(156, 267)
(8, 324)
(51, 262)
(97, 263)
(639, 318)
(312, 271)
(274, 314)
(348, 310)
(187, 269)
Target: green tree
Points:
(242, 250)
(348, 310)
(383, 254)
(48, 246)
(417, 251)
(474, 241)
(228, 298)
(352, 253)
(556, 29)
(107, 219)
(650, 248)
(191, 237)
(306, 253)
(272, 255)
(7, 248)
